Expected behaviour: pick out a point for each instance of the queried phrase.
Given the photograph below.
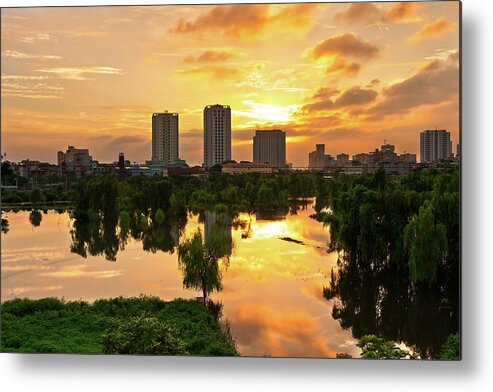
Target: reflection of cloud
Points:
(21, 290)
(269, 331)
(433, 30)
(78, 73)
(80, 271)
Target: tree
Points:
(426, 242)
(451, 348)
(199, 262)
(265, 195)
(37, 197)
(373, 347)
(159, 216)
(142, 334)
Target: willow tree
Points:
(199, 261)
(426, 241)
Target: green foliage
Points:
(159, 216)
(142, 334)
(412, 221)
(199, 261)
(37, 197)
(426, 242)
(451, 348)
(373, 347)
(53, 325)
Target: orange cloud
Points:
(401, 11)
(248, 21)
(345, 45)
(433, 30)
(212, 71)
(359, 13)
(341, 66)
(209, 56)
(370, 13)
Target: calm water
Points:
(273, 288)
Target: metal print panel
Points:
(276, 180)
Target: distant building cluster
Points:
(268, 153)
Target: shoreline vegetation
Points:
(397, 238)
(138, 325)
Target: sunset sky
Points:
(347, 75)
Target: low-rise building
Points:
(247, 167)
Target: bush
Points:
(142, 334)
(451, 348)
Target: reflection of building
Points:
(217, 135)
(75, 160)
(318, 160)
(270, 147)
(435, 145)
(165, 137)
(218, 224)
(247, 167)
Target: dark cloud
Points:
(436, 82)
(353, 97)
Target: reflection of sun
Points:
(271, 229)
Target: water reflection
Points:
(273, 290)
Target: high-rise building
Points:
(435, 145)
(270, 147)
(165, 137)
(217, 135)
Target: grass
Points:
(51, 325)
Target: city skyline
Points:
(347, 75)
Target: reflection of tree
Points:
(5, 225)
(219, 226)
(386, 303)
(35, 217)
(199, 261)
(107, 234)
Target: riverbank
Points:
(51, 325)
